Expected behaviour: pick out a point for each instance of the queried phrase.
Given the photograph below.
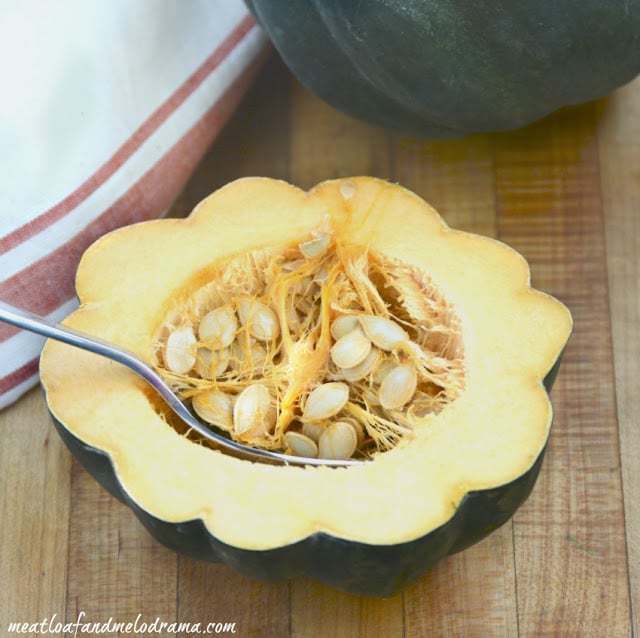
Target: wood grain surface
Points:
(565, 192)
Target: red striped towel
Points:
(107, 107)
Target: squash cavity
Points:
(321, 348)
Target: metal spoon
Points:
(42, 326)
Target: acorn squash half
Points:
(450, 446)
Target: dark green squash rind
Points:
(446, 69)
(359, 568)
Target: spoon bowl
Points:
(42, 326)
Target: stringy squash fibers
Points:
(347, 321)
(320, 349)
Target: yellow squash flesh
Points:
(491, 434)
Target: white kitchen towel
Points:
(106, 108)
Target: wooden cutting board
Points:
(565, 192)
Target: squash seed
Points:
(383, 332)
(364, 368)
(218, 327)
(301, 287)
(347, 190)
(301, 445)
(398, 387)
(322, 276)
(338, 441)
(343, 325)
(384, 367)
(293, 318)
(315, 247)
(179, 353)
(210, 364)
(293, 265)
(254, 412)
(313, 429)
(350, 350)
(326, 401)
(358, 428)
(261, 321)
(360, 431)
(215, 407)
(370, 396)
(251, 356)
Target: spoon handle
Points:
(45, 327)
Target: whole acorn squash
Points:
(446, 69)
(450, 420)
